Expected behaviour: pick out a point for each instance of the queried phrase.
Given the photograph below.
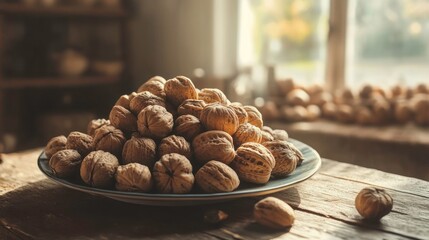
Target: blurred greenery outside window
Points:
(387, 41)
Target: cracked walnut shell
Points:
(213, 145)
(212, 95)
(254, 117)
(191, 106)
(139, 150)
(187, 126)
(54, 145)
(96, 124)
(144, 99)
(173, 174)
(65, 163)
(133, 177)
(274, 213)
(109, 139)
(216, 177)
(80, 142)
(98, 169)
(175, 144)
(247, 133)
(286, 155)
(155, 122)
(216, 116)
(253, 163)
(123, 119)
(179, 89)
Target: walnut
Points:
(191, 106)
(269, 110)
(213, 145)
(139, 150)
(321, 98)
(156, 87)
(124, 101)
(240, 112)
(286, 85)
(268, 130)
(96, 124)
(157, 79)
(266, 136)
(364, 115)
(133, 177)
(54, 145)
(173, 174)
(253, 163)
(286, 155)
(187, 126)
(247, 133)
(132, 95)
(216, 116)
(155, 122)
(65, 163)
(216, 177)
(403, 112)
(420, 103)
(373, 203)
(297, 97)
(329, 110)
(123, 119)
(98, 169)
(295, 113)
(280, 134)
(274, 213)
(109, 139)
(175, 144)
(314, 112)
(80, 142)
(144, 99)
(254, 117)
(179, 89)
(345, 113)
(212, 95)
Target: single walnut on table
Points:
(65, 163)
(96, 124)
(187, 126)
(98, 169)
(173, 174)
(274, 213)
(212, 95)
(373, 203)
(175, 144)
(191, 106)
(216, 116)
(213, 145)
(54, 145)
(139, 150)
(109, 139)
(123, 119)
(144, 99)
(80, 142)
(179, 89)
(216, 177)
(155, 121)
(133, 177)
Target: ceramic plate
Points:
(308, 168)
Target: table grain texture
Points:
(33, 207)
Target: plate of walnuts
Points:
(170, 143)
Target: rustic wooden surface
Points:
(33, 207)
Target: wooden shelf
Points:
(21, 83)
(15, 9)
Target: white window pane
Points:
(388, 42)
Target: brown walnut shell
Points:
(254, 117)
(139, 150)
(187, 126)
(280, 134)
(216, 116)
(175, 144)
(96, 124)
(65, 163)
(268, 130)
(80, 142)
(212, 95)
(179, 89)
(253, 163)
(213, 145)
(286, 156)
(247, 133)
(54, 145)
(98, 169)
(373, 203)
(155, 122)
(240, 112)
(144, 99)
(133, 177)
(191, 106)
(216, 177)
(153, 86)
(123, 119)
(274, 213)
(109, 139)
(123, 101)
(173, 174)
(266, 137)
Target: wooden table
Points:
(33, 207)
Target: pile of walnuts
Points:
(170, 137)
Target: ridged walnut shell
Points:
(212, 95)
(98, 169)
(109, 139)
(192, 107)
(187, 126)
(65, 163)
(373, 203)
(154, 86)
(216, 177)
(155, 122)
(96, 124)
(213, 145)
(266, 137)
(240, 112)
(173, 174)
(133, 177)
(286, 155)
(80, 142)
(139, 150)
(179, 89)
(54, 145)
(124, 101)
(144, 99)
(216, 116)
(280, 134)
(253, 163)
(274, 213)
(123, 119)
(175, 144)
(254, 117)
(247, 133)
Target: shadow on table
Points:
(46, 210)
